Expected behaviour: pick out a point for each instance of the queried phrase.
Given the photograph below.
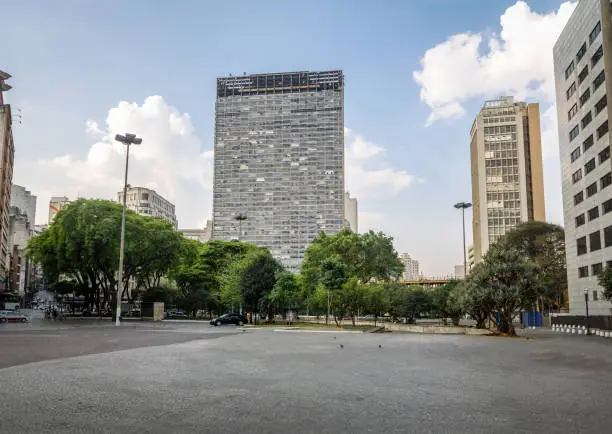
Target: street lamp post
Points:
(240, 217)
(586, 305)
(127, 139)
(463, 206)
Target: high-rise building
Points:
(147, 202)
(350, 212)
(507, 179)
(583, 79)
(7, 155)
(411, 268)
(279, 160)
(56, 203)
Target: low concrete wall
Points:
(437, 330)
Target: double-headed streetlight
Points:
(463, 206)
(240, 217)
(127, 139)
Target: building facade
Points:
(350, 212)
(279, 160)
(56, 203)
(147, 202)
(202, 235)
(412, 270)
(506, 169)
(7, 156)
(583, 79)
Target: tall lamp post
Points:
(127, 139)
(586, 305)
(463, 206)
(240, 217)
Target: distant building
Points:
(411, 268)
(147, 202)
(202, 235)
(22, 216)
(56, 203)
(582, 58)
(350, 212)
(507, 179)
(7, 155)
(459, 272)
(279, 160)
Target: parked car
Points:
(12, 316)
(229, 318)
(177, 315)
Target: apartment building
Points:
(583, 72)
(202, 235)
(56, 203)
(506, 169)
(147, 202)
(7, 156)
(411, 268)
(279, 160)
(350, 212)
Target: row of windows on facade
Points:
(591, 190)
(499, 111)
(599, 105)
(512, 221)
(594, 239)
(587, 118)
(500, 146)
(583, 49)
(593, 213)
(588, 143)
(498, 120)
(500, 129)
(595, 270)
(600, 132)
(604, 155)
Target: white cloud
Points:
(368, 174)
(516, 62)
(170, 160)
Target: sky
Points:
(416, 75)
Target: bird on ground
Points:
(341, 346)
(379, 346)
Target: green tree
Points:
(446, 306)
(287, 292)
(333, 275)
(354, 295)
(543, 244)
(377, 302)
(605, 281)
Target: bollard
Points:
(579, 331)
(608, 334)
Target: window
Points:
(576, 176)
(569, 70)
(591, 189)
(588, 143)
(603, 129)
(583, 74)
(608, 236)
(581, 52)
(595, 270)
(607, 206)
(583, 272)
(595, 241)
(585, 97)
(608, 264)
(598, 80)
(145, 196)
(586, 119)
(571, 90)
(601, 104)
(606, 180)
(580, 220)
(604, 155)
(575, 154)
(598, 55)
(588, 168)
(581, 246)
(578, 197)
(572, 112)
(574, 133)
(595, 274)
(594, 33)
(593, 213)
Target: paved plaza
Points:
(175, 378)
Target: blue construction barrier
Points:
(532, 319)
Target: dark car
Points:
(229, 318)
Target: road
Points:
(223, 380)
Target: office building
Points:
(56, 203)
(22, 216)
(279, 160)
(350, 212)
(7, 155)
(411, 268)
(147, 202)
(202, 235)
(507, 179)
(583, 79)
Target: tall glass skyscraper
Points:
(279, 160)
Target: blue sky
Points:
(72, 61)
